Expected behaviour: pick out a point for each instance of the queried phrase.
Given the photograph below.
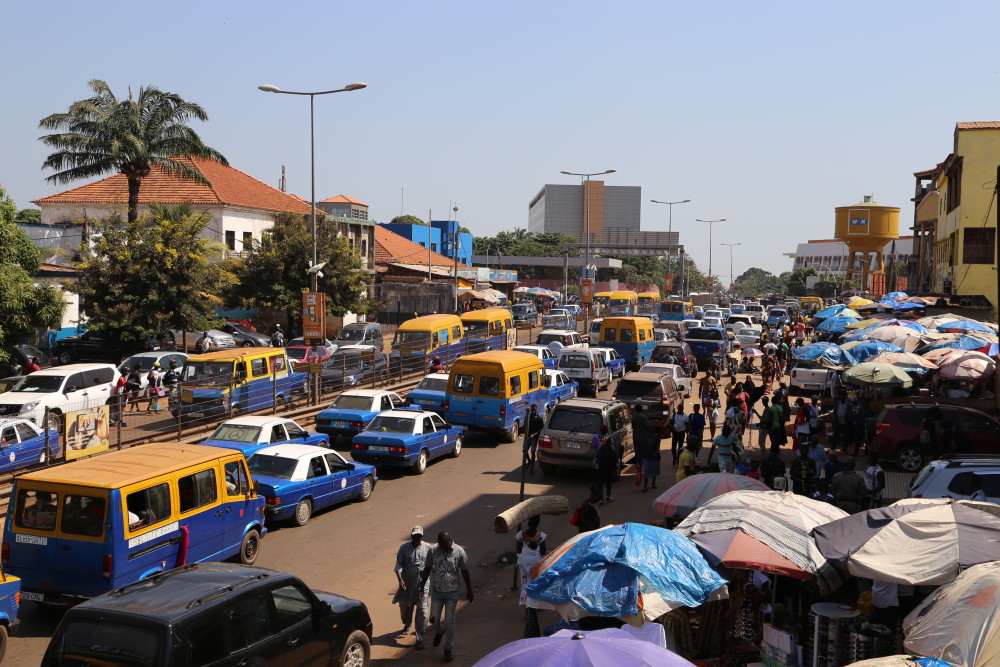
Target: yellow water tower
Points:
(866, 227)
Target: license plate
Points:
(426, 402)
(34, 597)
(340, 424)
(377, 448)
(574, 444)
(575, 373)
(196, 415)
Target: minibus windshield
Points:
(620, 302)
(412, 337)
(475, 328)
(208, 373)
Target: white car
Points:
(145, 360)
(564, 337)
(710, 306)
(540, 351)
(714, 312)
(726, 312)
(711, 321)
(748, 336)
(60, 389)
(674, 371)
(594, 335)
(687, 325)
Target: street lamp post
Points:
(670, 224)
(730, 259)
(710, 223)
(268, 88)
(586, 260)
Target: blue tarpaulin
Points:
(836, 324)
(896, 295)
(963, 343)
(965, 325)
(870, 348)
(601, 571)
(829, 351)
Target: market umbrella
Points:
(966, 365)
(751, 352)
(933, 321)
(960, 622)
(833, 311)
(910, 305)
(902, 661)
(896, 296)
(908, 361)
(834, 354)
(631, 571)
(764, 530)
(877, 375)
(964, 325)
(890, 333)
(570, 648)
(837, 324)
(961, 343)
(982, 335)
(858, 301)
(919, 542)
(695, 490)
(520, 290)
(862, 349)
(861, 324)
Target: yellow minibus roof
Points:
(429, 322)
(233, 355)
(508, 359)
(486, 315)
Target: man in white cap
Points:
(410, 562)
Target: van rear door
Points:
(29, 542)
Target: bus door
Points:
(238, 508)
(153, 535)
(199, 508)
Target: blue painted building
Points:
(441, 236)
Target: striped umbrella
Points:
(692, 492)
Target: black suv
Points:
(214, 614)
(98, 346)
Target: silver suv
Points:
(566, 439)
(951, 477)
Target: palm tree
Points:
(103, 134)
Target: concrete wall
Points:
(403, 299)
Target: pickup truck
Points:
(812, 378)
(614, 361)
(705, 343)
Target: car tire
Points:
(64, 356)
(548, 469)
(55, 421)
(357, 650)
(3, 640)
(246, 343)
(421, 465)
(250, 547)
(511, 434)
(909, 458)
(303, 512)
(457, 451)
(367, 486)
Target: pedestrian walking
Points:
(32, 366)
(154, 388)
(15, 369)
(586, 517)
(171, 378)
(848, 488)
(411, 559)
(712, 415)
(531, 548)
(724, 445)
(679, 430)
(764, 424)
(696, 429)
(203, 344)
(605, 462)
(874, 481)
(532, 431)
(277, 337)
(650, 454)
(445, 563)
(802, 470)
(772, 467)
(134, 387)
(687, 463)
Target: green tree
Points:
(29, 216)
(139, 278)
(103, 134)
(24, 306)
(795, 285)
(272, 272)
(407, 220)
(756, 281)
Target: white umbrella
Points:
(966, 365)
(891, 333)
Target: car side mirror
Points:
(256, 488)
(71, 389)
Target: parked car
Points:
(60, 389)
(144, 362)
(327, 345)
(244, 336)
(23, 354)
(406, 438)
(213, 614)
(567, 437)
(218, 340)
(898, 426)
(10, 605)
(736, 322)
(352, 367)
(810, 377)
(251, 433)
(431, 393)
(561, 388)
(674, 371)
(23, 443)
(565, 337)
(351, 412)
(658, 394)
(361, 333)
(95, 346)
(749, 336)
(298, 480)
(297, 354)
(585, 366)
(777, 317)
(680, 351)
(7, 383)
(541, 351)
(951, 477)
(524, 314)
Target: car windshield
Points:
(713, 321)
(574, 421)
(296, 353)
(8, 384)
(349, 402)
(207, 373)
(528, 350)
(434, 383)
(351, 334)
(704, 334)
(521, 308)
(412, 338)
(40, 384)
(574, 361)
(141, 363)
(341, 361)
(388, 424)
(236, 433)
(238, 328)
(631, 389)
(266, 465)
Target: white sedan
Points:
(748, 336)
(674, 371)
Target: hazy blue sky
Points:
(769, 114)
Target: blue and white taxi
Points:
(406, 438)
(352, 410)
(22, 444)
(429, 394)
(250, 434)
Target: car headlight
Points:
(27, 407)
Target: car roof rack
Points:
(966, 457)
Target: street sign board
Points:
(710, 282)
(668, 282)
(314, 315)
(586, 291)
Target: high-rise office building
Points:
(564, 208)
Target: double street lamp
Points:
(267, 88)
(710, 223)
(670, 224)
(731, 260)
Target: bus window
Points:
(642, 334)
(627, 336)
(444, 335)
(35, 510)
(434, 339)
(258, 367)
(83, 515)
(489, 386)
(148, 506)
(241, 371)
(533, 380)
(236, 479)
(456, 332)
(197, 490)
(609, 334)
(515, 385)
(463, 384)
(278, 363)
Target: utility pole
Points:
(454, 249)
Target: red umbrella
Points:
(737, 550)
(694, 491)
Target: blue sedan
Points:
(350, 412)
(297, 480)
(430, 394)
(24, 444)
(406, 438)
(251, 434)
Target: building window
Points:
(231, 240)
(247, 240)
(978, 246)
(955, 185)
(434, 247)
